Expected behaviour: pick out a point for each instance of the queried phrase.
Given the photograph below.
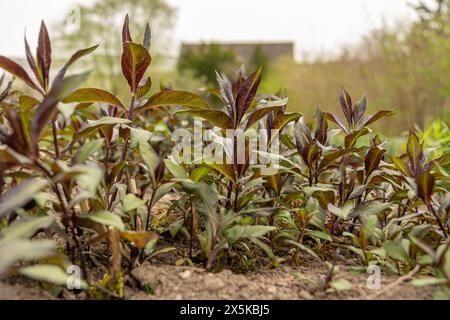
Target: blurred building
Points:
(244, 51)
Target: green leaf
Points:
(175, 169)
(49, 273)
(17, 250)
(343, 213)
(352, 138)
(238, 231)
(422, 282)
(414, 149)
(161, 191)
(370, 208)
(341, 284)
(88, 149)
(318, 234)
(215, 117)
(174, 98)
(135, 61)
(395, 250)
(281, 121)
(208, 200)
(139, 238)
(149, 156)
(401, 166)
(131, 202)
(94, 95)
(198, 173)
(21, 194)
(25, 229)
(425, 185)
(107, 218)
(97, 124)
(224, 169)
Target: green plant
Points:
(80, 166)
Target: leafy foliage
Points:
(90, 169)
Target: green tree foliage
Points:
(98, 23)
(405, 68)
(259, 59)
(208, 59)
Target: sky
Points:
(316, 26)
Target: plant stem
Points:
(55, 138)
(124, 151)
(441, 226)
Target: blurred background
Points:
(396, 52)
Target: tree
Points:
(206, 60)
(101, 22)
(259, 59)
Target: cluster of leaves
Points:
(81, 166)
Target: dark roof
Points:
(245, 50)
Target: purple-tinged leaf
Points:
(353, 137)
(360, 108)
(16, 70)
(226, 92)
(401, 166)
(377, 116)
(336, 120)
(144, 87)
(282, 120)
(32, 62)
(247, 92)
(135, 61)
(346, 106)
(173, 98)
(425, 184)
(414, 150)
(47, 108)
(93, 95)
(147, 37)
(126, 37)
(77, 55)
(373, 159)
(44, 54)
(256, 115)
(215, 117)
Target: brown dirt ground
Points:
(284, 283)
(161, 282)
(160, 279)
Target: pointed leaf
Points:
(174, 98)
(46, 109)
(216, 118)
(93, 95)
(16, 70)
(247, 92)
(21, 194)
(425, 185)
(147, 37)
(126, 37)
(135, 61)
(44, 54)
(107, 218)
(49, 273)
(377, 116)
(77, 55)
(352, 138)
